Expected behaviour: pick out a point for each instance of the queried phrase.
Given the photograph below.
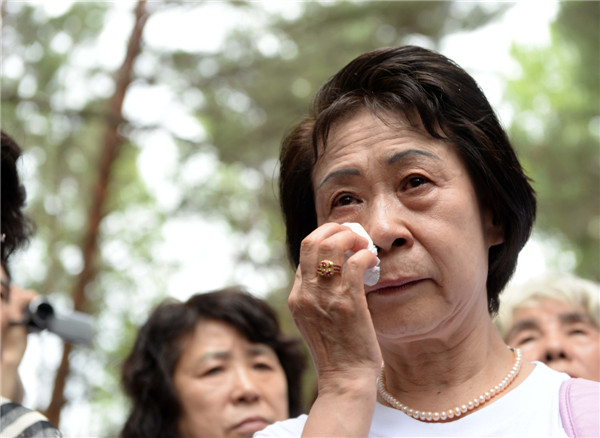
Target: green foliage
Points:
(51, 107)
(557, 130)
(263, 80)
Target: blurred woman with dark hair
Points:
(16, 229)
(216, 365)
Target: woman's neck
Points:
(437, 374)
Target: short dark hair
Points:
(16, 227)
(147, 373)
(432, 92)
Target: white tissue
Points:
(372, 274)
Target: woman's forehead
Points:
(364, 119)
(368, 133)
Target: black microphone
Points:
(74, 327)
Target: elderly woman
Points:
(402, 142)
(554, 318)
(215, 366)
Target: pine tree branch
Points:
(109, 154)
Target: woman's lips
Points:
(394, 286)
(251, 425)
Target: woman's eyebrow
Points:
(260, 350)
(401, 155)
(393, 159)
(217, 354)
(340, 172)
(574, 317)
(526, 324)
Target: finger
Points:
(296, 287)
(310, 244)
(357, 265)
(328, 243)
(314, 239)
(19, 300)
(333, 250)
(22, 295)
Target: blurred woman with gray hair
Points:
(554, 319)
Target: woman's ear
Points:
(493, 230)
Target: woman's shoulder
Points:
(17, 420)
(284, 429)
(544, 373)
(579, 407)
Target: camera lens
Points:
(44, 310)
(39, 314)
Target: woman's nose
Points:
(555, 348)
(386, 224)
(245, 389)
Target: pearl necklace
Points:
(457, 411)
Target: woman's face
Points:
(414, 197)
(559, 334)
(227, 386)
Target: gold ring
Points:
(326, 268)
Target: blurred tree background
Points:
(130, 138)
(556, 128)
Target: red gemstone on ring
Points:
(326, 268)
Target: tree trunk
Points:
(109, 154)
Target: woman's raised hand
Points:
(331, 311)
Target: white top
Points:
(529, 410)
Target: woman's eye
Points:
(213, 371)
(262, 366)
(525, 340)
(416, 181)
(343, 200)
(577, 332)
